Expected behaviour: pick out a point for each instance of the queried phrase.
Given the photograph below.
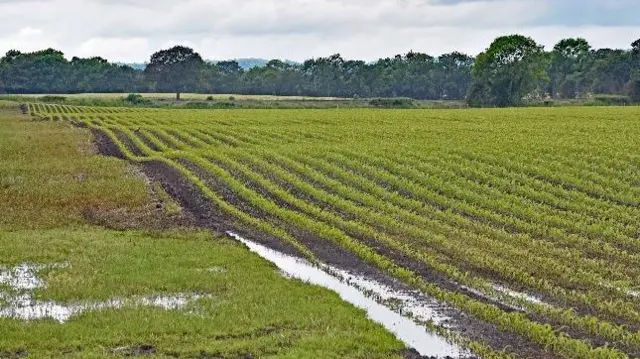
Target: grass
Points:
(247, 299)
(50, 179)
(233, 101)
(539, 200)
(187, 96)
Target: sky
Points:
(131, 30)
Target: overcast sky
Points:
(130, 30)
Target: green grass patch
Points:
(249, 308)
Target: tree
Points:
(569, 62)
(635, 46)
(177, 69)
(454, 70)
(510, 69)
(610, 71)
(573, 48)
(634, 87)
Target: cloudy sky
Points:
(130, 30)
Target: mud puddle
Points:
(18, 301)
(368, 294)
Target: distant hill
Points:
(136, 66)
(245, 63)
(249, 63)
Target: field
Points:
(227, 101)
(185, 96)
(525, 221)
(96, 262)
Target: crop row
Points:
(478, 203)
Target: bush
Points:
(398, 102)
(196, 105)
(224, 105)
(610, 100)
(52, 98)
(208, 105)
(136, 99)
(232, 98)
(209, 98)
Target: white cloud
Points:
(130, 30)
(116, 48)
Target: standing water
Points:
(409, 332)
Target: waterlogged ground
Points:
(131, 290)
(404, 318)
(71, 287)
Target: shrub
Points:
(52, 98)
(209, 98)
(398, 102)
(610, 100)
(136, 99)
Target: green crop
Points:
(543, 201)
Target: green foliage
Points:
(177, 69)
(52, 99)
(507, 72)
(48, 71)
(136, 99)
(571, 70)
(392, 102)
(635, 46)
(634, 87)
(609, 100)
(569, 67)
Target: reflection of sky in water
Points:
(18, 303)
(413, 335)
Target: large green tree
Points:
(568, 68)
(508, 71)
(454, 71)
(177, 69)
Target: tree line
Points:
(511, 70)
